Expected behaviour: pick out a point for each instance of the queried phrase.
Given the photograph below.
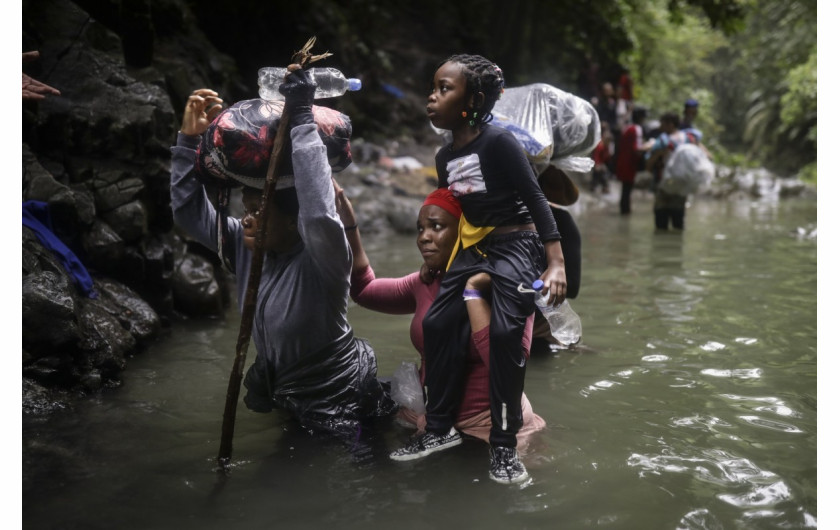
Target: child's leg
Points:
(446, 335)
(520, 260)
(478, 308)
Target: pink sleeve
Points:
(386, 295)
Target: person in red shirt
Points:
(602, 155)
(624, 107)
(630, 149)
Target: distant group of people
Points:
(486, 231)
(627, 147)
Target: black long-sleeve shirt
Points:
(493, 180)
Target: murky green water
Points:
(692, 403)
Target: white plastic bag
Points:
(552, 126)
(687, 169)
(405, 388)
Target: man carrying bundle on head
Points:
(308, 361)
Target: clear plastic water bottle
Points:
(562, 319)
(331, 82)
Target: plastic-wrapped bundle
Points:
(576, 126)
(237, 145)
(553, 126)
(526, 114)
(687, 169)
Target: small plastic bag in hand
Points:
(406, 389)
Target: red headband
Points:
(443, 197)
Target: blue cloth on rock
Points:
(36, 215)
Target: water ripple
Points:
(700, 422)
(770, 424)
(740, 373)
(753, 487)
(700, 519)
(764, 404)
(600, 385)
(760, 496)
(763, 488)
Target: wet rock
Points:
(49, 313)
(99, 156)
(40, 400)
(105, 343)
(40, 185)
(71, 208)
(792, 188)
(54, 371)
(85, 206)
(159, 259)
(195, 288)
(132, 312)
(103, 246)
(402, 214)
(115, 188)
(129, 221)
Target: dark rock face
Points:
(98, 155)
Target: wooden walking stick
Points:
(302, 58)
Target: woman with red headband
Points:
(437, 231)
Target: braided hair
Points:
(482, 76)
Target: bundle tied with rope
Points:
(236, 149)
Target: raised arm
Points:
(394, 296)
(318, 222)
(191, 209)
(351, 229)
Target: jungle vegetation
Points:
(752, 64)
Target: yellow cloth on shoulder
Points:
(468, 235)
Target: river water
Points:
(690, 403)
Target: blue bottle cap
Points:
(537, 285)
(354, 84)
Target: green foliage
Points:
(799, 103)
(672, 62)
(774, 51)
(756, 86)
(808, 173)
(750, 63)
(726, 15)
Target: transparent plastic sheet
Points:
(688, 168)
(525, 112)
(554, 127)
(406, 389)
